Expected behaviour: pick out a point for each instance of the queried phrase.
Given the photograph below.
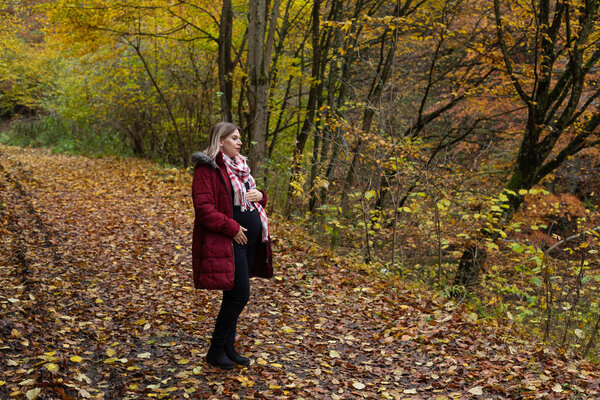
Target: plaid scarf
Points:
(239, 174)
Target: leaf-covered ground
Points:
(96, 302)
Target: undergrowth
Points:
(62, 136)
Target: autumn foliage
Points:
(448, 145)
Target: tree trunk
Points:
(380, 79)
(469, 267)
(314, 92)
(260, 48)
(225, 63)
(339, 75)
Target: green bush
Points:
(64, 136)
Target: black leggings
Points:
(235, 300)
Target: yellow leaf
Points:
(245, 381)
(15, 333)
(111, 352)
(76, 359)
(334, 354)
(287, 329)
(183, 361)
(141, 321)
(358, 385)
(261, 361)
(2, 383)
(51, 367)
(277, 365)
(33, 393)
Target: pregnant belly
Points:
(249, 220)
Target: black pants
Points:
(235, 300)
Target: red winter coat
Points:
(214, 228)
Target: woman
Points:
(231, 237)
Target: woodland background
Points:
(451, 143)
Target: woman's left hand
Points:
(254, 195)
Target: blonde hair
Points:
(218, 132)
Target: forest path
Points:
(96, 301)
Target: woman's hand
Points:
(240, 238)
(254, 195)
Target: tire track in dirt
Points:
(32, 263)
(26, 240)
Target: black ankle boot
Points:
(235, 357)
(219, 359)
(230, 350)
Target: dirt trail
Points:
(96, 302)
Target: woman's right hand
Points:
(240, 238)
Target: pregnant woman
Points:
(231, 237)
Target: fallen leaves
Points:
(99, 306)
(477, 390)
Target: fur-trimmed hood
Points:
(201, 158)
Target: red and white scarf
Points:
(239, 174)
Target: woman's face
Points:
(231, 145)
